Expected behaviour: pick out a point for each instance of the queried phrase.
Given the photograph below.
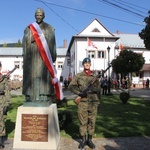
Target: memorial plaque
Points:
(34, 127)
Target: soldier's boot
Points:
(83, 142)
(1, 142)
(89, 142)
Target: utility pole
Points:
(109, 82)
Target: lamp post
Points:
(108, 49)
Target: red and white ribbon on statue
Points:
(46, 56)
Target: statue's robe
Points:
(36, 77)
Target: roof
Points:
(62, 51)
(18, 51)
(96, 25)
(88, 32)
(130, 40)
(11, 51)
(146, 67)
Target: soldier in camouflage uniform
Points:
(87, 107)
(4, 103)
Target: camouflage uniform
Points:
(4, 102)
(87, 108)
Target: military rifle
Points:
(87, 88)
(8, 74)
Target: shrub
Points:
(65, 118)
(124, 96)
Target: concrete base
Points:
(30, 131)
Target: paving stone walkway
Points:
(128, 143)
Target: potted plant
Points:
(124, 96)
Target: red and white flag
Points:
(91, 44)
(46, 56)
(121, 47)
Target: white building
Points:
(11, 57)
(92, 42)
(62, 64)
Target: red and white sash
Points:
(46, 56)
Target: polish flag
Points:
(121, 47)
(91, 44)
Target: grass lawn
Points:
(114, 118)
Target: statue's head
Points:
(39, 15)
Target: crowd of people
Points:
(125, 83)
(15, 84)
(146, 83)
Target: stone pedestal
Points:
(37, 128)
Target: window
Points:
(17, 64)
(95, 30)
(101, 54)
(16, 77)
(68, 62)
(91, 54)
(22, 65)
(72, 58)
(61, 79)
(60, 65)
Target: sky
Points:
(70, 17)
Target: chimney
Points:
(65, 44)
(118, 32)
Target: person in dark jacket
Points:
(65, 83)
(105, 86)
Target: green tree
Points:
(19, 44)
(127, 62)
(5, 45)
(145, 33)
